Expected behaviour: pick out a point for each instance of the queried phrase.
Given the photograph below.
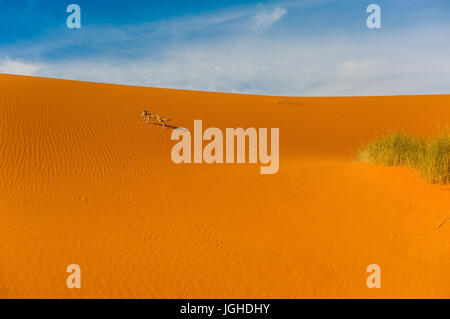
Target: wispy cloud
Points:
(264, 20)
(243, 50)
(9, 66)
(284, 67)
(133, 40)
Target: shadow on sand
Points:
(170, 126)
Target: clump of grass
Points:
(394, 150)
(435, 166)
(397, 149)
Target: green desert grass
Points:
(431, 158)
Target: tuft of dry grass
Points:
(431, 158)
(435, 166)
(394, 150)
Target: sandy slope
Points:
(83, 180)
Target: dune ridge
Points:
(84, 180)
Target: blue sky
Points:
(296, 47)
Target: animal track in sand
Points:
(214, 238)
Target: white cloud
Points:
(357, 67)
(17, 67)
(246, 59)
(264, 20)
(406, 63)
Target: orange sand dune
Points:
(83, 180)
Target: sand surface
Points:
(83, 180)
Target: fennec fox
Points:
(161, 120)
